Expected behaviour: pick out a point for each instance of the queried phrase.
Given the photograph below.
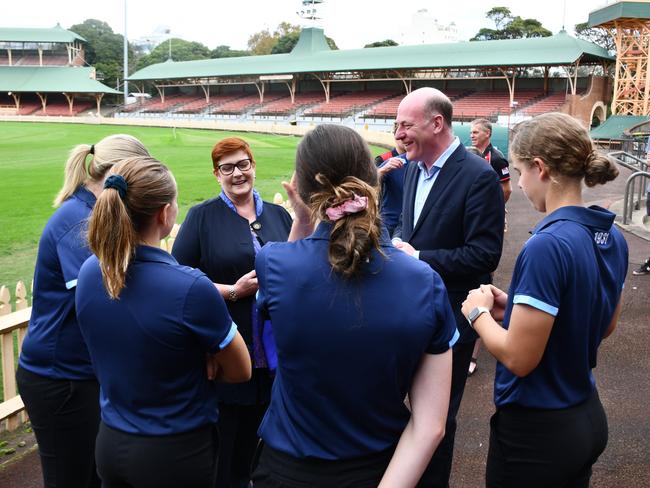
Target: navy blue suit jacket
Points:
(460, 230)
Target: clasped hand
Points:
(488, 296)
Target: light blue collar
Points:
(259, 204)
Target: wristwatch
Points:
(475, 313)
(232, 294)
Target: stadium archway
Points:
(598, 114)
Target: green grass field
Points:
(33, 155)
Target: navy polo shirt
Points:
(149, 346)
(573, 268)
(347, 349)
(53, 346)
(392, 191)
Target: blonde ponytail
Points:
(105, 154)
(76, 173)
(118, 220)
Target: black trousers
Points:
(238, 426)
(545, 448)
(65, 417)
(438, 471)
(185, 460)
(275, 469)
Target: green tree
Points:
(597, 35)
(282, 40)
(261, 42)
(104, 50)
(226, 52)
(508, 26)
(181, 50)
(384, 43)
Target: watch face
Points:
(472, 314)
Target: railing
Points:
(13, 327)
(628, 199)
(640, 168)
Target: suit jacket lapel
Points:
(447, 173)
(410, 187)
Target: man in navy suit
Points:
(452, 219)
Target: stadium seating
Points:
(283, 106)
(198, 104)
(349, 103)
(547, 104)
(490, 104)
(243, 104)
(156, 105)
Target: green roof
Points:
(619, 10)
(55, 34)
(615, 126)
(308, 56)
(50, 79)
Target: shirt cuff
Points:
(535, 303)
(231, 335)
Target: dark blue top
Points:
(392, 193)
(149, 346)
(347, 350)
(218, 241)
(53, 346)
(572, 268)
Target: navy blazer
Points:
(460, 230)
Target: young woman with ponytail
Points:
(157, 333)
(358, 325)
(564, 299)
(55, 376)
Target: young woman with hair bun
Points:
(358, 325)
(55, 376)
(564, 299)
(157, 333)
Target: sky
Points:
(351, 23)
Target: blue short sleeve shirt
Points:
(347, 349)
(54, 347)
(573, 268)
(149, 347)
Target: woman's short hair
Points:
(565, 147)
(227, 146)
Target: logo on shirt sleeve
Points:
(504, 171)
(601, 238)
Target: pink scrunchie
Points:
(354, 205)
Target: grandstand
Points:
(41, 47)
(42, 72)
(314, 83)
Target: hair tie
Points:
(347, 207)
(117, 182)
(92, 149)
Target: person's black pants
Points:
(238, 426)
(545, 448)
(171, 461)
(65, 418)
(275, 469)
(438, 471)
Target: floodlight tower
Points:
(629, 25)
(309, 12)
